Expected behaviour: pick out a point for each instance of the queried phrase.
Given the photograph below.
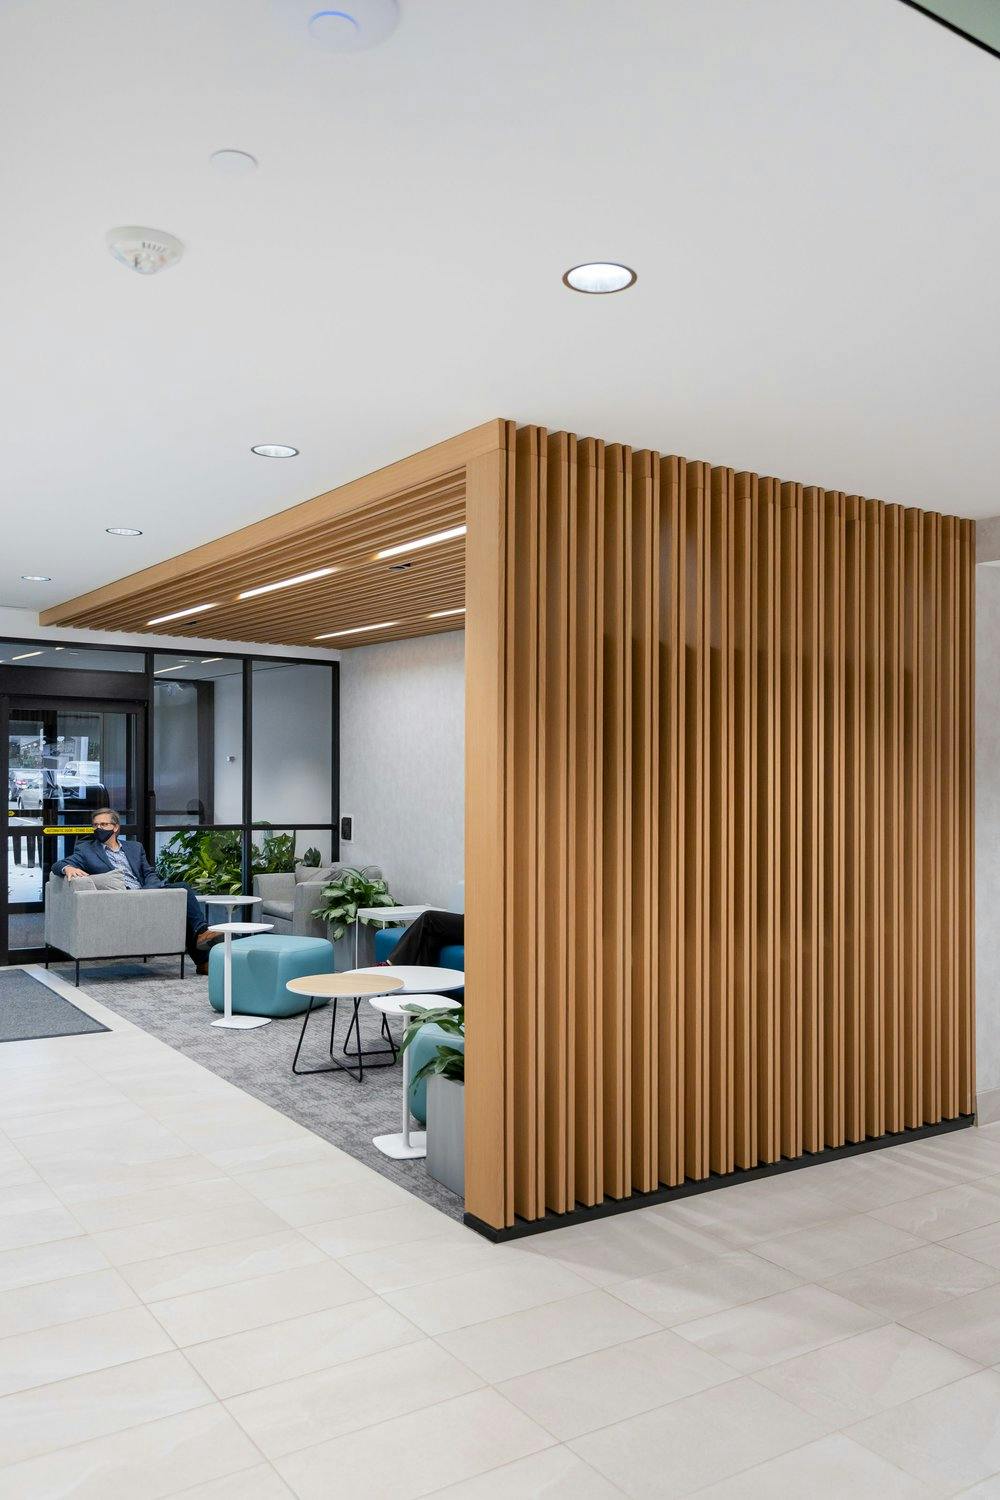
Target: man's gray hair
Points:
(106, 812)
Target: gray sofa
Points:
(95, 917)
(288, 902)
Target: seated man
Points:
(106, 851)
(423, 939)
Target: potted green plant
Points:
(342, 897)
(445, 1074)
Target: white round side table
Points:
(227, 1019)
(230, 903)
(407, 1144)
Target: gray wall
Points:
(402, 766)
(988, 838)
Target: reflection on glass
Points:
(198, 739)
(292, 743)
(75, 658)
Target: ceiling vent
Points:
(351, 26)
(144, 250)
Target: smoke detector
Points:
(347, 26)
(144, 250)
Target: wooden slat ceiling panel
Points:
(364, 590)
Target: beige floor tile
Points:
(31, 1264)
(220, 1311)
(332, 1171)
(580, 1395)
(36, 1227)
(383, 1228)
(258, 1156)
(28, 1197)
(219, 1265)
(30, 1359)
(89, 1406)
(695, 1291)
(828, 1469)
(146, 1140)
(970, 1325)
(777, 1328)
(122, 1211)
(948, 1212)
(911, 1282)
(988, 1489)
(838, 1245)
(627, 1246)
(78, 1120)
(352, 1196)
(99, 1179)
(949, 1439)
(282, 1351)
(746, 1213)
(864, 1183)
(981, 1244)
(62, 1301)
(328, 1403)
(152, 1461)
(262, 1483)
(555, 1474)
(858, 1377)
(523, 1341)
(682, 1447)
(417, 1454)
(187, 1232)
(489, 1292)
(417, 1262)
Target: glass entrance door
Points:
(62, 762)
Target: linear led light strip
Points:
(286, 583)
(357, 630)
(177, 668)
(179, 614)
(422, 541)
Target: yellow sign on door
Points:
(87, 828)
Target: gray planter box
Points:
(446, 1133)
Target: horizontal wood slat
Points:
(738, 834)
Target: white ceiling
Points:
(808, 191)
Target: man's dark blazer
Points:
(89, 855)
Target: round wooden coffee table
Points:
(351, 985)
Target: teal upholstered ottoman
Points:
(262, 966)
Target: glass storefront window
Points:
(69, 658)
(197, 739)
(292, 743)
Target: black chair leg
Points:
(182, 964)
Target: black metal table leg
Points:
(359, 1056)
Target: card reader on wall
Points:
(345, 828)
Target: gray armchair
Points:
(86, 921)
(288, 902)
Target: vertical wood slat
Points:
(731, 781)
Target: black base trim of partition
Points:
(584, 1215)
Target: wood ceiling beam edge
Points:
(430, 464)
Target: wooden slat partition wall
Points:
(731, 909)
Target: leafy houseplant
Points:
(310, 859)
(448, 1061)
(212, 859)
(348, 890)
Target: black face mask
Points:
(103, 834)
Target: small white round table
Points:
(241, 929)
(419, 979)
(351, 985)
(230, 903)
(407, 1144)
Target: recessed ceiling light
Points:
(207, 659)
(144, 250)
(35, 578)
(274, 450)
(286, 583)
(422, 541)
(235, 163)
(179, 614)
(599, 277)
(350, 26)
(177, 668)
(123, 531)
(357, 630)
(442, 614)
(24, 654)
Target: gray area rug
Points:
(342, 1111)
(29, 1010)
